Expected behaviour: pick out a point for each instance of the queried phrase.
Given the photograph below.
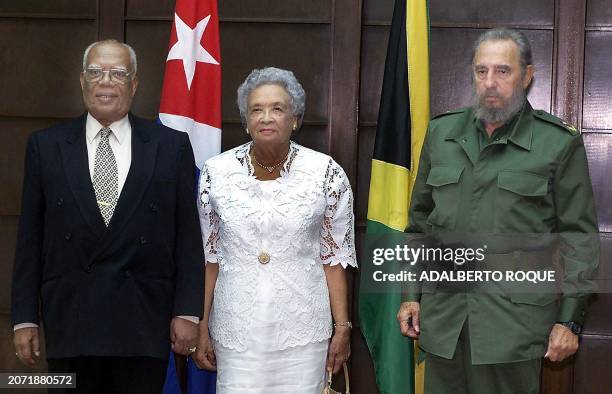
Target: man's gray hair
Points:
(272, 76)
(502, 34)
(131, 51)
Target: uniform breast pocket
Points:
(444, 181)
(523, 202)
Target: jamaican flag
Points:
(402, 122)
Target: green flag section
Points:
(402, 123)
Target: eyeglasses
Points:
(117, 75)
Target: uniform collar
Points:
(520, 135)
(522, 132)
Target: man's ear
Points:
(134, 85)
(528, 76)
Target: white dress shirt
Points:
(120, 142)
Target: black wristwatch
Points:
(573, 326)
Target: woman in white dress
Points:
(278, 228)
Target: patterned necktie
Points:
(105, 179)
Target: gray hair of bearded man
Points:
(272, 76)
(131, 51)
(503, 34)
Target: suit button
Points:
(67, 236)
(153, 207)
(88, 269)
(60, 202)
(143, 240)
(127, 273)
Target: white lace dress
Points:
(271, 318)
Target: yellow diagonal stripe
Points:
(389, 193)
(417, 41)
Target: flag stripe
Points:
(391, 146)
(392, 180)
(417, 32)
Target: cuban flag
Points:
(191, 102)
(191, 94)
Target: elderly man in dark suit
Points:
(109, 246)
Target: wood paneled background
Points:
(337, 50)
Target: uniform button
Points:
(88, 269)
(60, 202)
(143, 240)
(67, 236)
(464, 140)
(153, 207)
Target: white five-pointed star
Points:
(188, 47)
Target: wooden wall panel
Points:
(374, 42)
(151, 62)
(303, 48)
(597, 104)
(8, 229)
(377, 12)
(451, 75)
(592, 366)
(599, 13)
(40, 72)
(599, 151)
(493, 12)
(147, 8)
(367, 136)
(68, 8)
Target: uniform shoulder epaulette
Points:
(549, 118)
(455, 111)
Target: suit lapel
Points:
(76, 165)
(144, 155)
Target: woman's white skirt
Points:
(259, 369)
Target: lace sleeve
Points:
(209, 220)
(337, 234)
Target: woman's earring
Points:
(247, 131)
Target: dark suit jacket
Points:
(108, 291)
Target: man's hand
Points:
(562, 343)
(183, 336)
(27, 345)
(408, 318)
(339, 349)
(204, 356)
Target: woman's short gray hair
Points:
(272, 76)
(111, 41)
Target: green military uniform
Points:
(530, 177)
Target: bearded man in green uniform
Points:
(501, 167)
